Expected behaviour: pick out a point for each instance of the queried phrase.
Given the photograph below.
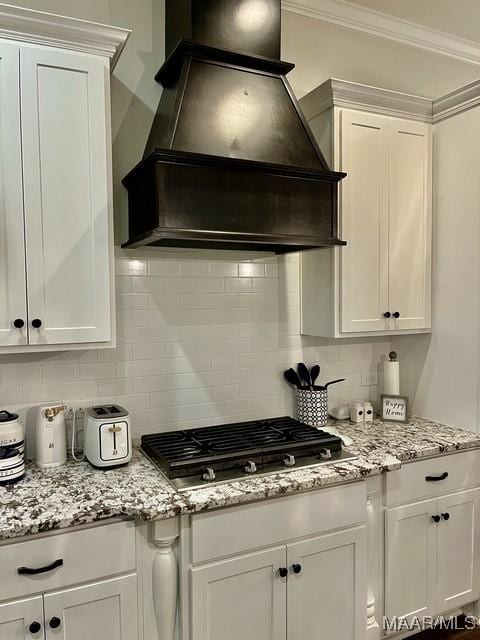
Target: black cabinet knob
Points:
(37, 323)
(387, 314)
(436, 519)
(283, 571)
(396, 314)
(446, 516)
(55, 622)
(18, 323)
(296, 568)
(35, 627)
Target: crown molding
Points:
(350, 95)
(456, 102)
(353, 16)
(38, 27)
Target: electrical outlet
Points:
(369, 379)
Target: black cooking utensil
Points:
(333, 382)
(291, 376)
(314, 373)
(304, 374)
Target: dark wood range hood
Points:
(230, 161)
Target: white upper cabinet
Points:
(56, 237)
(13, 288)
(66, 176)
(364, 266)
(378, 284)
(409, 224)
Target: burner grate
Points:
(188, 452)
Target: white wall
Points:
(322, 50)
(440, 372)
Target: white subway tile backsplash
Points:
(11, 376)
(79, 390)
(60, 372)
(97, 370)
(194, 285)
(132, 368)
(251, 270)
(201, 340)
(41, 393)
(131, 267)
(115, 387)
(149, 384)
(227, 269)
(10, 395)
(195, 268)
(238, 285)
(163, 268)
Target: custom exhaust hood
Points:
(230, 162)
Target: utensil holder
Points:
(312, 406)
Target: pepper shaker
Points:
(357, 412)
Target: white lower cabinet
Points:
(76, 585)
(301, 591)
(458, 549)
(432, 555)
(240, 598)
(22, 619)
(326, 598)
(98, 611)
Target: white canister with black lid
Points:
(12, 448)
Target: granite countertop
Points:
(78, 494)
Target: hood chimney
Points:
(230, 161)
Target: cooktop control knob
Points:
(250, 467)
(209, 474)
(289, 460)
(325, 454)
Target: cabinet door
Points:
(12, 247)
(410, 224)
(364, 222)
(240, 598)
(17, 619)
(66, 177)
(328, 598)
(94, 611)
(458, 555)
(410, 560)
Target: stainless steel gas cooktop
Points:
(198, 457)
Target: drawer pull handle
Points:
(297, 568)
(283, 571)
(437, 478)
(436, 519)
(35, 627)
(446, 516)
(27, 571)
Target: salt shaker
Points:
(368, 411)
(357, 412)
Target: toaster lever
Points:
(114, 429)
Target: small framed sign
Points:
(394, 408)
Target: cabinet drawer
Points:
(252, 526)
(87, 555)
(454, 471)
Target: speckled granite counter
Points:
(78, 494)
